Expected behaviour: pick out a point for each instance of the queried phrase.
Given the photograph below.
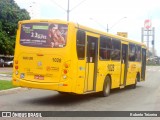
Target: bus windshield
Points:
(46, 35)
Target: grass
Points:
(153, 64)
(7, 73)
(4, 84)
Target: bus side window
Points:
(80, 44)
(138, 53)
(132, 52)
(115, 54)
(105, 48)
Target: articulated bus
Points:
(71, 58)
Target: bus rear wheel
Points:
(106, 87)
(135, 84)
(63, 93)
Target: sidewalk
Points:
(6, 73)
(6, 69)
(6, 77)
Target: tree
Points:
(10, 14)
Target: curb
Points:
(13, 90)
(6, 75)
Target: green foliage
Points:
(4, 84)
(10, 14)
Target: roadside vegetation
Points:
(4, 84)
(152, 63)
(10, 14)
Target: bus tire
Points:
(62, 93)
(135, 84)
(106, 87)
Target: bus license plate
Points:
(39, 77)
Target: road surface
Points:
(146, 97)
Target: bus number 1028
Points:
(111, 67)
(57, 60)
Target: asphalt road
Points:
(146, 97)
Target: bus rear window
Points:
(47, 35)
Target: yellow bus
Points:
(68, 57)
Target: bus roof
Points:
(84, 28)
(108, 34)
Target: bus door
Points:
(124, 64)
(91, 62)
(143, 69)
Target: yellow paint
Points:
(79, 78)
(122, 74)
(90, 76)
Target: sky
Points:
(119, 15)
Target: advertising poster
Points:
(43, 35)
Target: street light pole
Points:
(117, 22)
(68, 7)
(100, 24)
(68, 11)
(108, 29)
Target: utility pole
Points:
(68, 11)
(147, 38)
(142, 35)
(68, 7)
(153, 40)
(107, 29)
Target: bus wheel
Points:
(135, 84)
(106, 87)
(62, 93)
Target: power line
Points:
(77, 5)
(59, 5)
(68, 10)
